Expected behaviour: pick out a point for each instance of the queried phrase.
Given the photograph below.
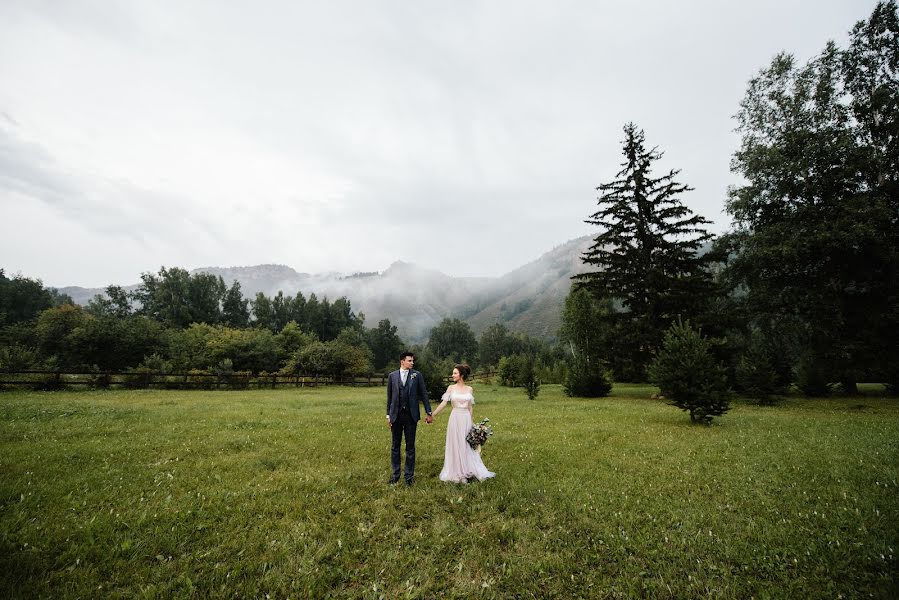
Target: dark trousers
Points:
(404, 425)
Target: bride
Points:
(461, 463)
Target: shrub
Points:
(587, 378)
(688, 375)
(16, 357)
(506, 371)
(528, 377)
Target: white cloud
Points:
(466, 136)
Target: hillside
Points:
(526, 300)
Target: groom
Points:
(405, 389)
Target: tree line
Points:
(803, 290)
(176, 321)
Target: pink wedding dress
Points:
(461, 462)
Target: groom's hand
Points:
(429, 419)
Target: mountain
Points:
(527, 300)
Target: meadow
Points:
(262, 493)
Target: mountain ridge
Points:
(527, 299)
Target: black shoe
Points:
(409, 482)
(393, 480)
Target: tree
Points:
(235, 308)
(116, 303)
(452, 338)
(114, 343)
(385, 345)
(816, 238)
(315, 316)
(291, 339)
(586, 378)
(176, 298)
(688, 375)
(493, 344)
(253, 350)
(280, 311)
(298, 309)
(529, 380)
(52, 331)
(756, 373)
(206, 294)
(22, 299)
(333, 358)
(263, 314)
(647, 256)
(585, 331)
(435, 370)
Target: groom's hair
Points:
(405, 354)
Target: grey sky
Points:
(462, 136)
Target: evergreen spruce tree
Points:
(688, 374)
(529, 379)
(646, 258)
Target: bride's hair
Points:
(464, 370)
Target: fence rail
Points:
(58, 379)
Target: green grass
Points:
(194, 494)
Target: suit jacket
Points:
(416, 392)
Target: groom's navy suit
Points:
(404, 414)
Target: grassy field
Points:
(154, 494)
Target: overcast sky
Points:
(341, 136)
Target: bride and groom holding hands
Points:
(405, 390)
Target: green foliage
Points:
(334, 358)
(505, 370)
(511, 370)
(112, 343)
(435, 370)
(291, 339)
(583, 320)
(177, 298)
(52, 332)
(385, 345)
(493, 345)
(646, 258)
(453, 339)
(189, 348)
(252, 350)
(529, 379)
(16, 357)
(321, 318)
(22, 299)
(816, 245)
(116, 303)
(688, 375)
(755, 373)
(587, 378)
(235, 308)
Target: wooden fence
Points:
(59, 379)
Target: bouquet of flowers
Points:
(478, 434)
